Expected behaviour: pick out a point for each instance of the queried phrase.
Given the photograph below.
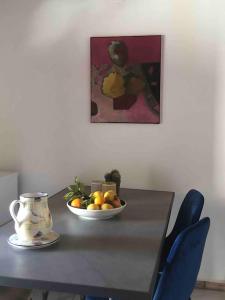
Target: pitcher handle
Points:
(12, 211)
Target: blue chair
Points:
(179, 275)
(189, 213)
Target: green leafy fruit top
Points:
(76, 189)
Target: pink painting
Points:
(125, 79)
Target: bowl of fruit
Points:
(96, 206)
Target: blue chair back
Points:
(179, 275)
(189, 213)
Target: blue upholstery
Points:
(183, 263)
(179, 275)
(189, 213)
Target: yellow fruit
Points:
(98, 198)
(93, 207)
(97, 193)
(106, 206)
(113, 85)
(76, 202)
(109, 195)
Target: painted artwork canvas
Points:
(125, 79)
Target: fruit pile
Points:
(97, 201)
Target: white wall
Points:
(45, 131)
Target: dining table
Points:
(117, 258)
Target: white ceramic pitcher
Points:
(33, 219)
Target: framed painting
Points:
(125, 79)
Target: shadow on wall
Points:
(53, 20)
(202, 173)
(36, 179)
(214, 263)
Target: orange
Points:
(76, 202)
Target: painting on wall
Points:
(125, 79)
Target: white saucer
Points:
(45, 241)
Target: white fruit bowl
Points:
(96, 214)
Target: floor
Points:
(208, 295)
(13, 295)
(197, 295)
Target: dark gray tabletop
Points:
(117, 257)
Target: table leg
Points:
(39, 295)
(45, 295)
